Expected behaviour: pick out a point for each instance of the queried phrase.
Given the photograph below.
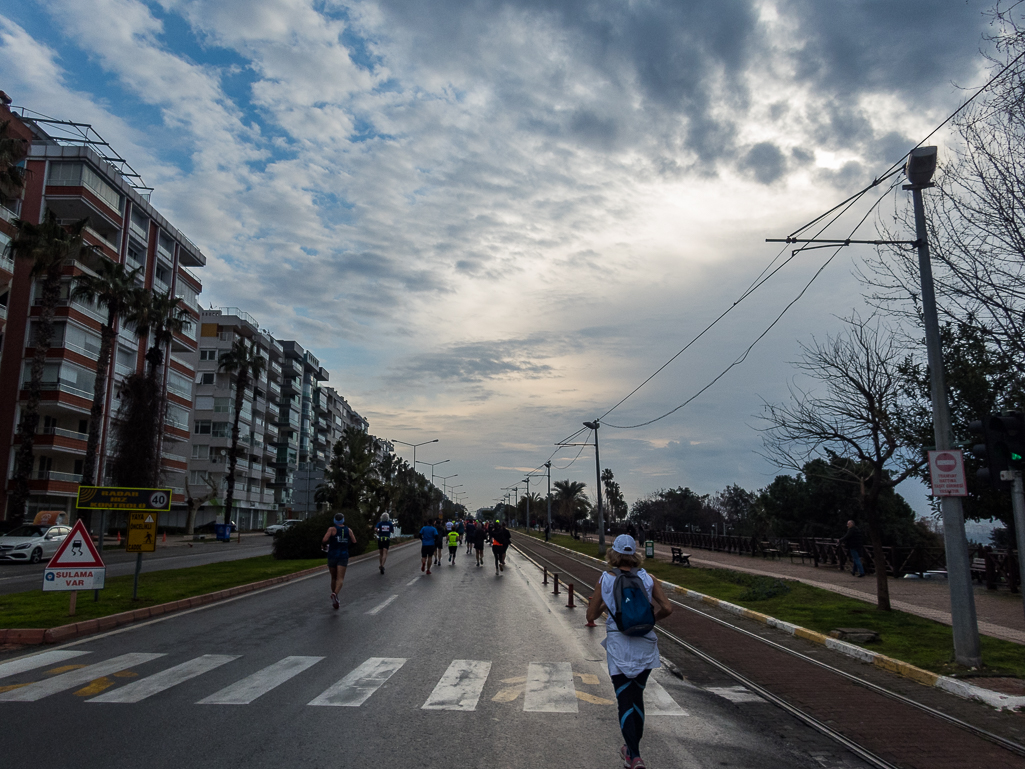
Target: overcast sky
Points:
(492, 220)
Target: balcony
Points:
(56, 477)
(61, 432)
(7, 263)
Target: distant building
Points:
(73, 172)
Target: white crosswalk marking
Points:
(658, 702)
(261, 682)
(550, 688)
(75, 678)
(43, 660)
(165, 679)
(356, 688)
(381, 606)
(460, 687)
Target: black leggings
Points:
(630, 696)
(499, 554)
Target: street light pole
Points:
(597, 463)
(920, 167)
(548, 465)
(526, 507)
(414, 445)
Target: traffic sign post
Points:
(142, 533)
(75, 566)
(946, 471)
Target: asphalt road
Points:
(460, 668)
(24, 577)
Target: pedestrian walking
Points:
(428, 535)
(384, 531)
(337, 540)
(855, 542)
(500, 541)
(630, 644)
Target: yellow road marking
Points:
(594, 700)
(590, 679)
(519, 680)
(95, 687)
(508, 695)
(126, 674)
(12, 687)
(63, 669)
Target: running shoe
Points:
(422, 567)
(382, 569)
(502, 566)
(428, 572)
(636, 763)
(624, 753)
(334, 600)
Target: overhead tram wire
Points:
(762, 335)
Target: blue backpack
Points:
(634, 615)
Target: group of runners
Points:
(436, 534)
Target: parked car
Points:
(208, 528)
(30, 543)
(277, 528)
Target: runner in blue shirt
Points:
(337, 539)
(427, 536)
(384, 531)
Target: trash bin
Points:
(649, 549)
(223, 531)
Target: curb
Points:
(38, 636)
(927, 678)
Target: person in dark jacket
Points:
(854, 542)
(500, 541)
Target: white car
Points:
(277, 528)
(31, 543)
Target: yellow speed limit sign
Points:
(142, 533)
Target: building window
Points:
(202, 427)
(207, 378)
(220, 430)
(179, 385)
(197, 477)
(208, 354)
(200, 452)
(222, 405)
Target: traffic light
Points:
(1002, 447)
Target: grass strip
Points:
(37, 609)
(918, 641)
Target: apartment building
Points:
(73, 172)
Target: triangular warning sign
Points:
(76, 551)
(149, 519)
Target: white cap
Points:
(625, 544)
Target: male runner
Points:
(479, 537)
(337, 540)
(500, 541)
(427, 536)
(384, 531)
(453, 546)
(439, 541)
(471, 530)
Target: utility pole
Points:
(1018, 505)
(548, 465)
(597, 463)
(526, 507)
(920, 168)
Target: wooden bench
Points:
(768, 552)
(794, 551)
(978, 569)
(680, 557)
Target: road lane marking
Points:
(460, 687)
(356, 688)
(380, 607)
(594, 700)
(413, 581)
(165, 679)
(43, 660)
(76, 678)
(658, 702)
(735, 693)
(550, 688)
(260, 682)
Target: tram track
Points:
(882, 727)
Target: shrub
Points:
(759, 588)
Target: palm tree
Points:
(12, 175)
(48, 245)
(159, 317)
(112, 287)
(570, 497)
(243, 361)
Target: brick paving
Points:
(1001, 614)
(895, 731)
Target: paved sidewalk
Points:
(1000, 613)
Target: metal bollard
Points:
(555, 581)
(545, 580)
(570, 605)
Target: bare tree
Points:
(975, 215)
(856, 414)
(194, 501)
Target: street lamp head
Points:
(921, 166)
(592, 425)
(548, 465)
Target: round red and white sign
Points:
(946, 462)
